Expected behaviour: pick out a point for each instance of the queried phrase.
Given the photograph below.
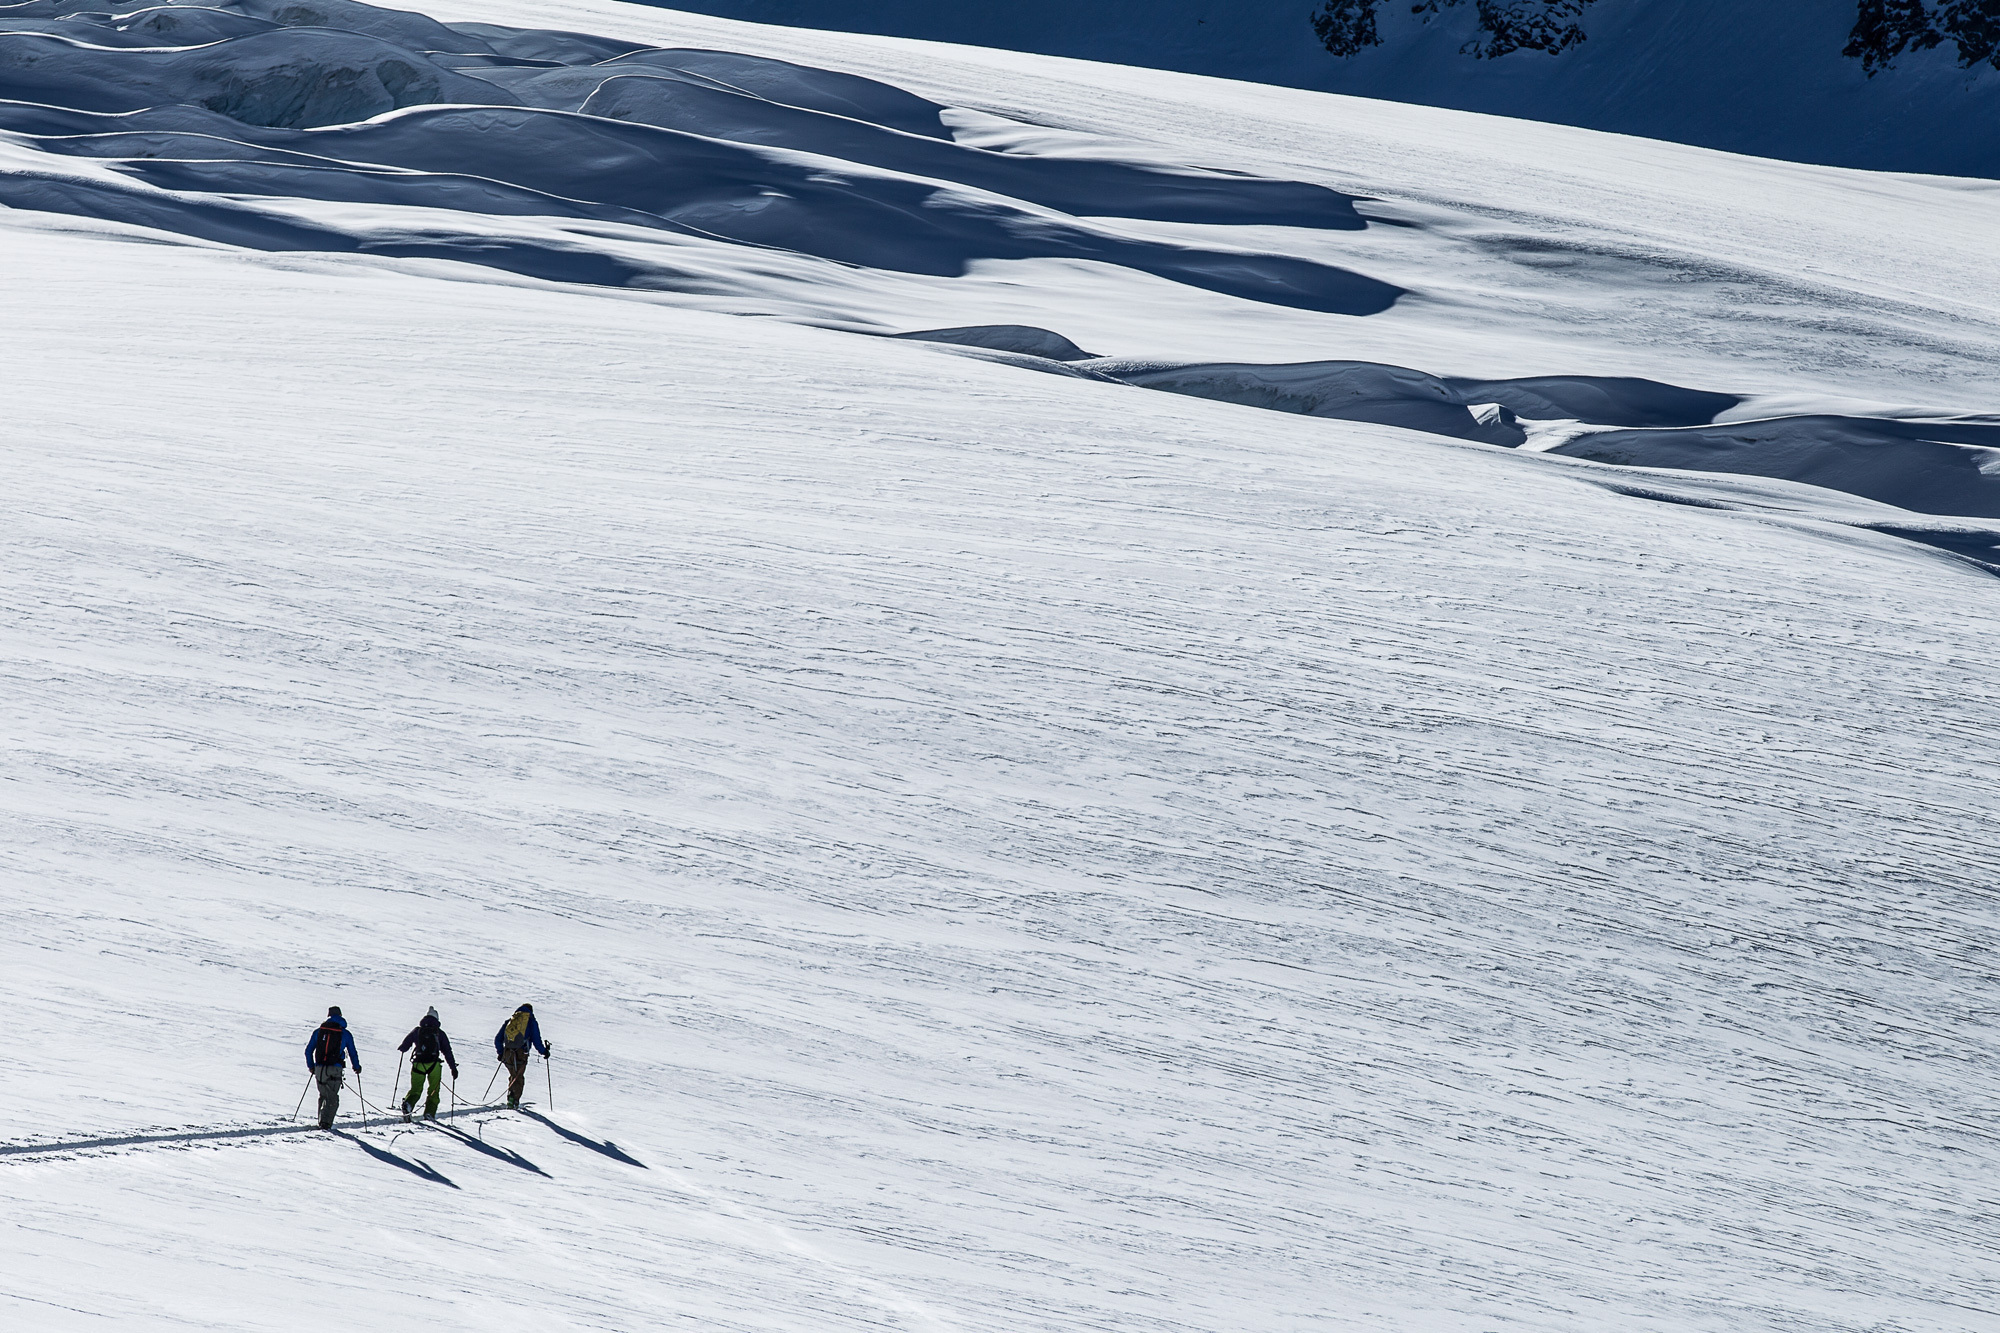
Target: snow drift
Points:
(714, 173)
(667, 140)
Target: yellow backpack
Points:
(516, 1031)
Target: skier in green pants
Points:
(426, 1043)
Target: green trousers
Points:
(419, 1075)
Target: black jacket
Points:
(418, 1036)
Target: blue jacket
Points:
(534, 1037)
(346, 1044)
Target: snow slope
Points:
(743, 180)
(996, 849)
(1766, 78)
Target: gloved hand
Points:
(357, 1071)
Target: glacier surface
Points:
(1251, 830)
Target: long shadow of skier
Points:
(608, 1148)
(383, 1155)
(507, 1155)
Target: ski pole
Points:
(489, 1083)
(302, 1097)
(552, 1082)
(399, 1072)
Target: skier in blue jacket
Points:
(511, 1044)
(328, 1050)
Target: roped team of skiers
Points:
(331, 1048)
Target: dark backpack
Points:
(326, 1043)
(425, 1052)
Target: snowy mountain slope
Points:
(742, 182)
(1767, 78)
(994, 849)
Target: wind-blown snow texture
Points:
(1767, 77)
(716, 172)
(1178, 842)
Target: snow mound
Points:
(755, 182)
(868, 134)
(1599, 400)
(1936, 467)
(544, 46)
(780, 83)
(1928, 466)
(711, 144)
(166, 25)
(1346, 390)
(282, 77)
(1019, 338)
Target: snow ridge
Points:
(572, 158)
(521, 154)
(1768, 79)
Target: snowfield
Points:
(991, 850)
(1767, 78)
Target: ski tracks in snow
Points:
(1040, 856)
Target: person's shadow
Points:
(507, 1155)
(608, 1148)
(418, 1169)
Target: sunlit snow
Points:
(1258, 827)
